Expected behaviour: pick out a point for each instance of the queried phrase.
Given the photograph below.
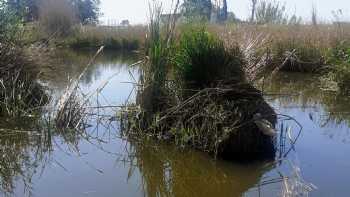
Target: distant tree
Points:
(270, 12)
(222, 13)
(87, 10)
(314, 15)
(254, 2)
(294, 20)
(27, 9)
(197, 8)
(9, 23)
(125, 23)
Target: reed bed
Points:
(299, 48)
(115, 38)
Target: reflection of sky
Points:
(324, 146)
(118, 80)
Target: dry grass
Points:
(304, 46)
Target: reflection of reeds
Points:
(22, 154)
(169, 171)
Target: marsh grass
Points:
(274, 44)
(21, 94)
(202, 60)
(115, 38)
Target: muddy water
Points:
(101, 162)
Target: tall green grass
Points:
(202, 60)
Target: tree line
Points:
(205, 9)
(86, 11)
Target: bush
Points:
(203, 61)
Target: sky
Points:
(136, 11)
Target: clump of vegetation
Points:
(202, 61)
(195, 94)
(20, 93)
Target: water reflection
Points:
(168, 171)
(86, 164)
(69, 64)
(329, 110)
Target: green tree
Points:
(87, 10)
(9, 23)
(197, 8)
(27, 9)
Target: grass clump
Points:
(202, 60)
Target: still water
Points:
(103, 163)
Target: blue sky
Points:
(136, 10)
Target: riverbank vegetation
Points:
(182, 84)
(21, 94)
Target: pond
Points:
(102, 162)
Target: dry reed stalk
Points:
(70, 109)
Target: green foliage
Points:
(339, 57)
(202, 60)
(197, 9)
(28, 10)
(9, 23)
(87, 10)
(158, 49)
